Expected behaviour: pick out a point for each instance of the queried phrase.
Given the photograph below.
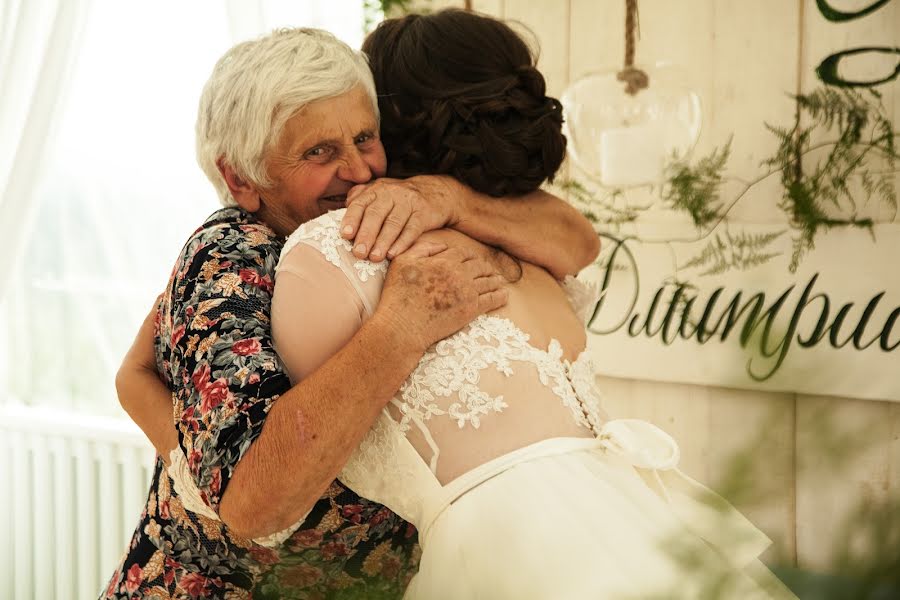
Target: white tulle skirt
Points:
(581, 519)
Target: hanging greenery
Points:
(863, 128)
(823, 160)
(695, 188)
(734, 251)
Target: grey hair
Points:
(258, 85)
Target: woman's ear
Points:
(243, 192)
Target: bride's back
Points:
(509, 379)
(501, 383)
(459, 94)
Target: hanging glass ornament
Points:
(625, 125)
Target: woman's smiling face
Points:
(325, 149)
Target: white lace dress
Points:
(498, 452)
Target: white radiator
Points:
(71, 491)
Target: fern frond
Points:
(695, 189)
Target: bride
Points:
(496, 447)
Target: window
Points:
(121, 189)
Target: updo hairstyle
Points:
(459, 95)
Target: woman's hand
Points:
(433, 291)
(387, 216)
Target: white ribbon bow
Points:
(643, 444)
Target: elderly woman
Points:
(287, 126)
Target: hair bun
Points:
(461, 96)
(532, 80)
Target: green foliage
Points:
(739, 251)
(695, 188)
(824, 161)
(864, 559)
(818, 194)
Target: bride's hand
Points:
(387, 216)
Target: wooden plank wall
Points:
(744, 58)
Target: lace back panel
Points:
(479, 394)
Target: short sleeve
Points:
(315, 311)
(323, 294)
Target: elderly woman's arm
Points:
(313, 427)
(143, 395)
(312, 430)
(388, 215)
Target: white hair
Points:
(258, 85)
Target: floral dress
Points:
(214, 349)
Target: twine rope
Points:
(635, 79)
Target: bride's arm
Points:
(315, 311)
(387, 216)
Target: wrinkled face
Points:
(325, 149)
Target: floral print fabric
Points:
(215, 351)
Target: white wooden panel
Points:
(549, 21)
(596, 41)
(848, 460)
(848, 450)
(595, 44)
(754, 61)
(493, 8)
(751, 461)
(681, 410)
(424, 6)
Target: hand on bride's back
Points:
(432, 291)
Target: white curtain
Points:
(38, 42)
(97, 106)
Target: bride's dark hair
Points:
(459, 95)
